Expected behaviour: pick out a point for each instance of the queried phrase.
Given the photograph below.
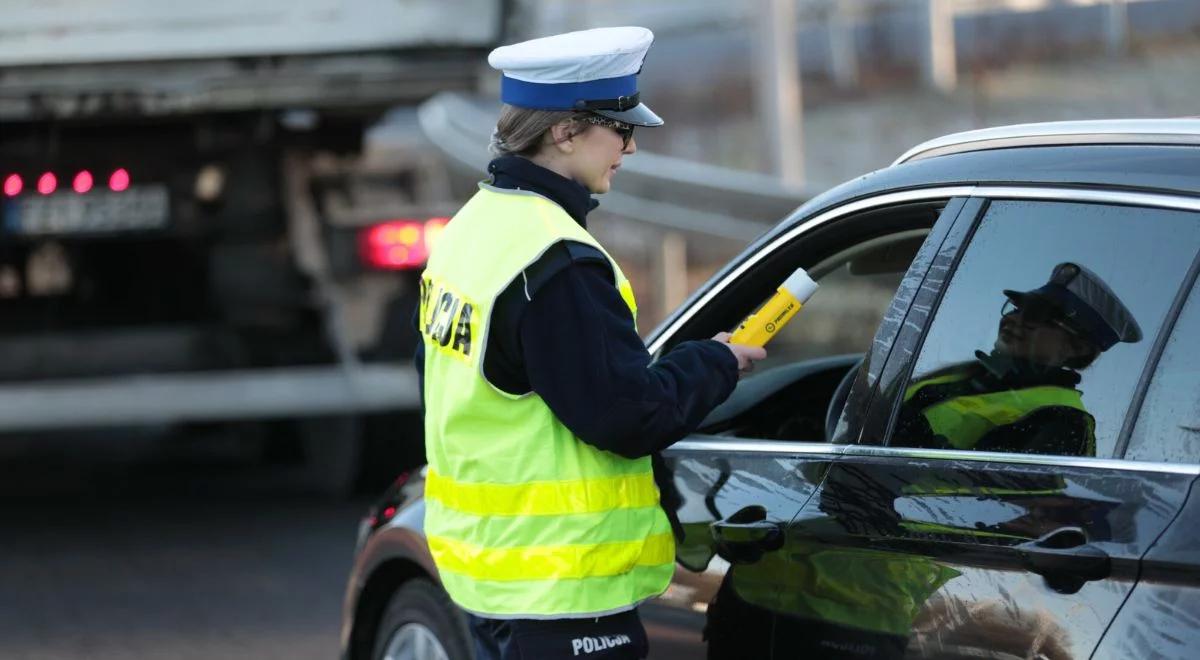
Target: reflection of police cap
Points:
(592, 70)
(1086, 303)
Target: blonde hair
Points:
(520, 131)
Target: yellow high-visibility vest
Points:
(964, 420)
(524, 519)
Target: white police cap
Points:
(591, 70)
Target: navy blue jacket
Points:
(562, 330)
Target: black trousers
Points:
(614, 637)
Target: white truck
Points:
(191, 231)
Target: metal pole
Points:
(843, 56)
(778, 89)
(673, 281)
(941, 68)
(1118, 27)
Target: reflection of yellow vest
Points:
(964, 420)
(871, 590)
(874, 590)
(523, 518)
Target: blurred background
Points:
(213, 217)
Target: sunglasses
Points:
(1040, 313)
(622, 129)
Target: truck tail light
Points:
(399, 244)
(13, 185)
(119, 180)
(83, 182)
(47, 183)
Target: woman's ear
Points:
(562, 136)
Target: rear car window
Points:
(1041, 336)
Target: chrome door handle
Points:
(1066, 558)
(745, 536)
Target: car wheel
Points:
(420, 623)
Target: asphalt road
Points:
(121, 550)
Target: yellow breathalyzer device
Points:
(762, 325)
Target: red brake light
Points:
(83, 182)
(119, 181)
(47, 183)
(398, 244)
(13, 185)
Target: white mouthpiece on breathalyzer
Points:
(800, 285)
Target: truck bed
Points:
(61, 59)
(51, 32)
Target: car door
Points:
(919, 543)
(759, 457)
(1159, 619)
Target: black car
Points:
(847, 501)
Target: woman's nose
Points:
(631, 147)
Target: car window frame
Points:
(881, 416)
(909, 333)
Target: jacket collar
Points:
(1017, 373)
(517, 173)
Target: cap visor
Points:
(1018, 297)
(638, 115)
(1021, 298)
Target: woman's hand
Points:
(746, 355)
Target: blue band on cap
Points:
(562, 96)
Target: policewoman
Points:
(1023, 396)
(542, 408)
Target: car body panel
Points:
(946, 557)
(707, 487)
(1161, 618)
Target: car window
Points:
(856, 286)
(1040, 338)
(1168, 426)
(858, 261)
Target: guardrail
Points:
(206, 396)
(662, 191)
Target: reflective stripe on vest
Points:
(964, 420)
(546, 498)
(524, 520)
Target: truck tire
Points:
(420, 621)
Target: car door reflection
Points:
(963, 559)
(732, 510)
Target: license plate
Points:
(137, 209)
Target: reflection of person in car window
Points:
(1022, 396)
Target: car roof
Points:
(1160, 156)
(1103, 131)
